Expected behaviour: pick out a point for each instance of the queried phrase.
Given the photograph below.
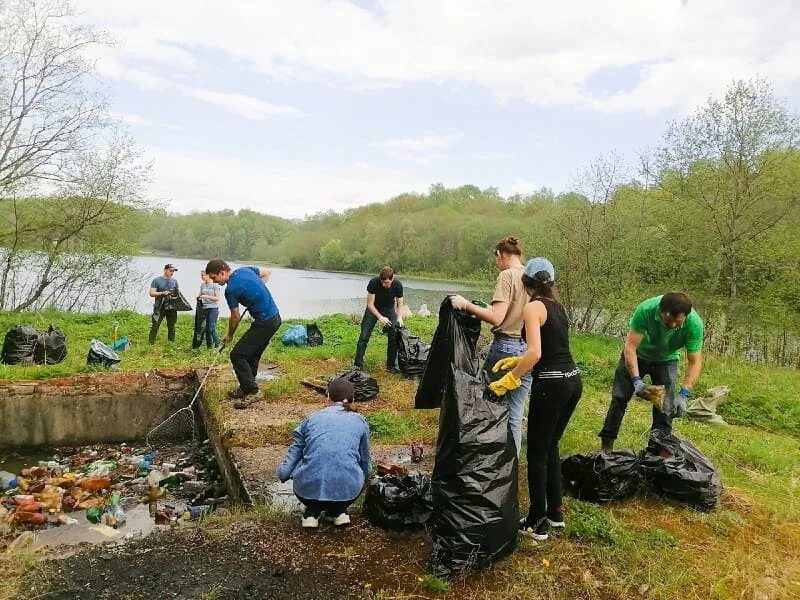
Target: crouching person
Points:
(329, 459)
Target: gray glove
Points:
(639, 388)
(679, 404)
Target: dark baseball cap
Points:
(170, 266)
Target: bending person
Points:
(384, 306)
(246, 286)
(505, 315)
(555, 392)
(659, 328)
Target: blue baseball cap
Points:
(538, 264)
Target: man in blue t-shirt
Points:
(247, 286)
(384, 304)
(160, 289)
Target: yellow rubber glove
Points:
(506, 364)
(506, 383)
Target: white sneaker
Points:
(342, 519)
(310, 522)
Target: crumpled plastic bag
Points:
(399, 501)
(601, 476)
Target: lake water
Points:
(299, 294)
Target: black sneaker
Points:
(555, 518)
(538, 532)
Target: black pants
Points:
(552, 403)
(246, 354)
(171, 316)
(330, 508)
(661, 373)
(368, 322)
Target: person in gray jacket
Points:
(329, 460)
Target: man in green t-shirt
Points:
(659, 328)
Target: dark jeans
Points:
(368, 322)
(212, 337)
(552, 403)
(171, 316)
(330, 508)
(661, 373)
(246, 354)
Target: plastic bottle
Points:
(94, 514)
(93, 484)
(34, 518)
(115, 510)
(7, 480)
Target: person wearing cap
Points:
(246, 286)
(160, 288)
(384, 306)
(555, 392)
(505, 315)
(659, 328)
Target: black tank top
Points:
(555, 340)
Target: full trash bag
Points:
(453, 343)
(601, 476)
(200, 322)
(399, 501)
(52, 347)
(175, 301)
(295, 336)
(476, 507)
(100, 354)
(364, 386)
(314, 334)
(19, 345)
(673, 468)
(412, 352)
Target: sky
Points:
(293, 108)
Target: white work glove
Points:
(459, 302)
(385, 321)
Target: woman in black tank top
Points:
(555, 392)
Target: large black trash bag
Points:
(412, 352)
(673, 468)
(100, 354)
(200, 323)
(176, 301)
(453, 343)
(52, 347)
(314, 334)
(601, 476)
(399, 501)
(364, 386)
(19, 345)
(476, 508)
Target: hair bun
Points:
(513, 240)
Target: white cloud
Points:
(422, 150)
(541, 52)
(135, 119)
(242, 104)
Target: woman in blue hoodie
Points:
(329, 459)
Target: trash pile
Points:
(24, 345)
(177, 484)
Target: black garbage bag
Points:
(200, 319)
(601, 476)
(52, 347)
(399, 501)
(673, 468)
(364, 386)
(175, 301)
(476, 507)
(313, 334)
(453, 343)
(412, 352)
(19, 345)
(100, 354)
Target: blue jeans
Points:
(501, 348)
(212, 337)
(661, 373)
(368, 322)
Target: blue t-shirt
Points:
(246, 288)
(162, 284)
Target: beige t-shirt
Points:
(509, 289)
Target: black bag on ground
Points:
(673, 468)
(313, 334)
(412, 352)
(175, 301)
(199, 332)
(100, 354)
(19, 345)
(399, 501)
(601, 476)
(453, 343)
(364, 386)
(52, 347)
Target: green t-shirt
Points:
(661, 343)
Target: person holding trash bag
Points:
(659, 328)
(160, 288)
(384, 306)
(329, 459)
(247, 286)
(555, 391)
(505, 316)
(208, 300)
